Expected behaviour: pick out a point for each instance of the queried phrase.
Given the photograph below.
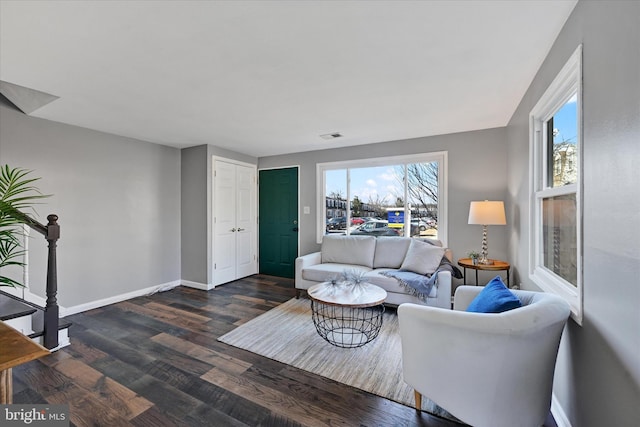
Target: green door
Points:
(278, 220)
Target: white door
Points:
(246, 259)
(234, 222)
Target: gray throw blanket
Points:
(419, 285)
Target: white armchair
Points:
(488, 370)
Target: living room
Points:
(134, 213)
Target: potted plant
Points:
(474, 257)
(17, 196)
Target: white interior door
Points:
(224, 222)
(246, 259)
(235, 222)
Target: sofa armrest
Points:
(443, 298)
(303, 262)
(309, 259)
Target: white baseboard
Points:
(196, 285)
(36, 299)
(68, 311)
(16, 292)
(27, 295)
(558, 413)
(117, 298)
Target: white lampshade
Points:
(487, 213)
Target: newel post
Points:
(51, 311)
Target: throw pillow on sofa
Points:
(494, 298)
(353, 250)
(422, 258)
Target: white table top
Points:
(346, 295)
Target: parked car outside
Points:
(337, 223)
(431, 223)
(422, 225)
(375, 228)
(357, 220)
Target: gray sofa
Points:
(370, 255)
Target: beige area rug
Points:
(287, 334)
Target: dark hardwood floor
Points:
(155, 361)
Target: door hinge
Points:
(215, 266)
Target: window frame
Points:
(440, 156)
(567, 83)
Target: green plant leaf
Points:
(17, 198)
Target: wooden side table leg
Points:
(418, 397)
(6, 387)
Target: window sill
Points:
(553, 284)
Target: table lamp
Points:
(486, 213)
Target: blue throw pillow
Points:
(494, 298)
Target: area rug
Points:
(287, 334)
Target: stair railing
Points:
(51, 233)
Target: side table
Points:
(16, 349)
(496, 266)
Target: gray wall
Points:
(477, 171)
(598, 370)
(118, 200)
(196, 197)
(194, 203)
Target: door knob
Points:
(233, 230)
(295, 229)
(240, 229)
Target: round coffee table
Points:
(347, 316)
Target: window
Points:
(391, 196)
(555, 261)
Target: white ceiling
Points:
(269, 77)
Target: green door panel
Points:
(278, 217)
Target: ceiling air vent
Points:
(332, 135)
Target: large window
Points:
(391, 196)
(555, 240)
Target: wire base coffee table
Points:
(347, 316)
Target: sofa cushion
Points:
(391, 284)
(353, 250)
(494, 298)
(390, 251)
(327, 271)
(422, 257)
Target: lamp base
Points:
(483, 255)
